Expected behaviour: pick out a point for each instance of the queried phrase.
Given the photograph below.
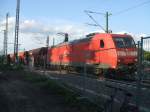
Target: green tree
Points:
(147, 55)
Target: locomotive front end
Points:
(126, 53)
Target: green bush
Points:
(147, 55)
(6, 67)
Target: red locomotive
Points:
(100, 52)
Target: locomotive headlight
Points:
(134, 53)
(121, 53)
(135, 60)
(131, 53)
(119, 60)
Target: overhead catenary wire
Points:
(122, 11)
(94, 12)
(92, 24)
(108, 14)
(94, 20)
(131, 8)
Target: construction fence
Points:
(145, 58)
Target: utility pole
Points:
(53, 41)
(5, 38)
(4, 43)
(47, 41)
(65, 35)
(6, 34)
(16, 31)
(107, 22)
(4, 48)
(3, 58)
(47, 45)
(46, 54)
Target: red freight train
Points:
(100, 52)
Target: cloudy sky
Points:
(39, 18)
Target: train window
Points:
(119, 42)
(101, 43)
(129, 42)
(122, 42)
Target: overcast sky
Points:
(39, 18)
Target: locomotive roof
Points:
(81, 40)
(41, 50)
(87, 38)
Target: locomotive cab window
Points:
(124, 42)
(101, 44)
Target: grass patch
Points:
(9, 67)
(71, 97)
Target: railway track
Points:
(144, 83)
(92, 87)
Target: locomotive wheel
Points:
(68, 69)
(79, 69)
(98, 71)
(110, 73)
(59, 67)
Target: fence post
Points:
(85, 72)
(141, 54)
(139, 72)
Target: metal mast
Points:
(16, 31)
(4, 52)
(46, 58)
(6, 35)
(107, 30)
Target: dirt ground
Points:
(19, 95)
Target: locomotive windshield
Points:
(124, 42)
